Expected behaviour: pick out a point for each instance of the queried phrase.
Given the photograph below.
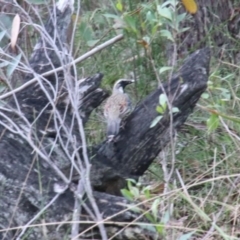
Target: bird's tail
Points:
(113, 127)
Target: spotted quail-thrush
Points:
(118, 105)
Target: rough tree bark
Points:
(215, 23)
(211, 17)
(41, 116)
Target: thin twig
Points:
(37, 216)
(78, 60)
(77, 209)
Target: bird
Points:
(117, 106)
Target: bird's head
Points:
(121, 84)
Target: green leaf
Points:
(135, 209)
(154, 208)
(167, 34)
(183, 30)
(213, 122)
(135, 192)
(150, 17)
(13, 65)
(165, 217)
(175, 110)
(155, 121)
(149, 217)
(226, 94)
(154, 29)
(2, 34)
(127, 194)
(149, 228)
(186, 236)
(205, 96)
(181, 17)
(2, 88)
(108, 15)
(6, 23)
(131, 23)
(147, 193)
(160, 228)
(131, 180)
(164, 69)
(4, 64)
(163, 99)
(164, 12)
(159, 109)
(86, 32)
(91, 43)
(119, 6)
(5, 28)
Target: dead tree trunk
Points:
(209, 22)
(41, 143)
(137, 145)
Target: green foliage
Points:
(132, 192)
(13, 65)
(2, 34)
(135, 191)
(5, 26)
(213, 122)
(161, 108)
(207, 149)
(146, 27)
(146, 30)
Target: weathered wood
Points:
(209, 22)
(137, 145)
(28, 126)
(39, 122)
(16, 158)
(212, 24)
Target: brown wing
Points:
(116, 106)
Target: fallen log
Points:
(41, 144)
